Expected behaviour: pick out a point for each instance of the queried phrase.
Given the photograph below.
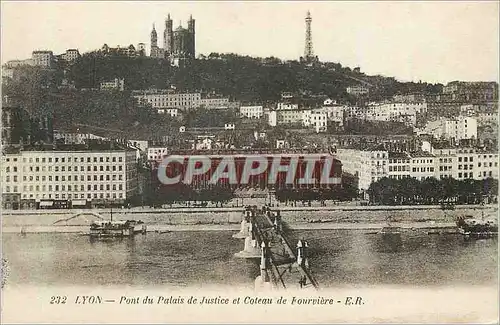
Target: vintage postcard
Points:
(249, 162)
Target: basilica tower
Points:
(168, 36)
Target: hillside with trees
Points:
(243, 78)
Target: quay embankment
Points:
(228, 218)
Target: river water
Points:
(181, 259)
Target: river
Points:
(184, 258)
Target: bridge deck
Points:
(282, 254)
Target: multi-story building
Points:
(157, 153)
(398, 165)
(128, 51)
(213, 102)
(287, 106)
(458, 163)
(446, 159)
(486, 165)
(466, 163)
(254, 112)
(334, 112)
(70, 55)
(117, 84)
(43, 58)
(33, 179)
(422, 165)
(289, 116)
(315, 119)
(74, 137)
(458, 128)
(409, 98)
(357, 90)
(471, 91)
(166, 98)
(368, 165)
(173, 112)
(404, 112)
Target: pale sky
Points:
(412, 41)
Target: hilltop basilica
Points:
(178, 44)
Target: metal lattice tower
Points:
(308, 51)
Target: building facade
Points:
(253, 112)
(43, 59)
(166, 98)
(70, 55)
(156, 153)
(117, 84)
(59, 178)
(458, 128)
(357, 90)
(213, 102)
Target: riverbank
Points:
(351, 217)
(235, 227)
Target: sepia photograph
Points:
(249, 162)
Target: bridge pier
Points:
(302, 258)
(247, 215)
(251, 249)
(263, 281)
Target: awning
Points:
(46, 203)
(79, 202)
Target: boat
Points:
(471, 227)
(110, 229)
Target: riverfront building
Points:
(459, 163)
(59, 179)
